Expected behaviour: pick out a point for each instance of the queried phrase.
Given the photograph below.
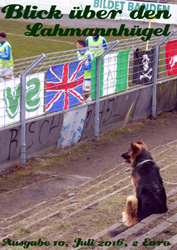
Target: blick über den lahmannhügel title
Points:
(16, 11)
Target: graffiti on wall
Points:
(40, 135)
(118, 110)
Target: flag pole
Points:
(150, 21)
(147, 44)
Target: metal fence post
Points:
(154, 93)
(97, 88)
(23, 106)
(154, 89)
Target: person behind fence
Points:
(96, 44)
(84, 53)
(6, 59)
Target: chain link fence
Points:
(55, 84)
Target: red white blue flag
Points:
(64, 86)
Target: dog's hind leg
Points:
(129, 216)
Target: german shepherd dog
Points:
(149, 193)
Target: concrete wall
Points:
(40, 135)
(115, 111)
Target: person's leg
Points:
(9, 73)
(87, 89)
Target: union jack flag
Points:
(64, 86)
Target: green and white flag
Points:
(113, 73)
(10, 98)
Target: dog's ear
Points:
(140, 142)
(135, 147)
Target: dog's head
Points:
(133, 152)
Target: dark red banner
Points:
(171, 58)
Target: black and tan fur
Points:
(149, 193)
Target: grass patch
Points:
(24, 231)
(27, 46)
(23, 46)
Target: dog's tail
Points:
(129, 216)
(132, 204)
